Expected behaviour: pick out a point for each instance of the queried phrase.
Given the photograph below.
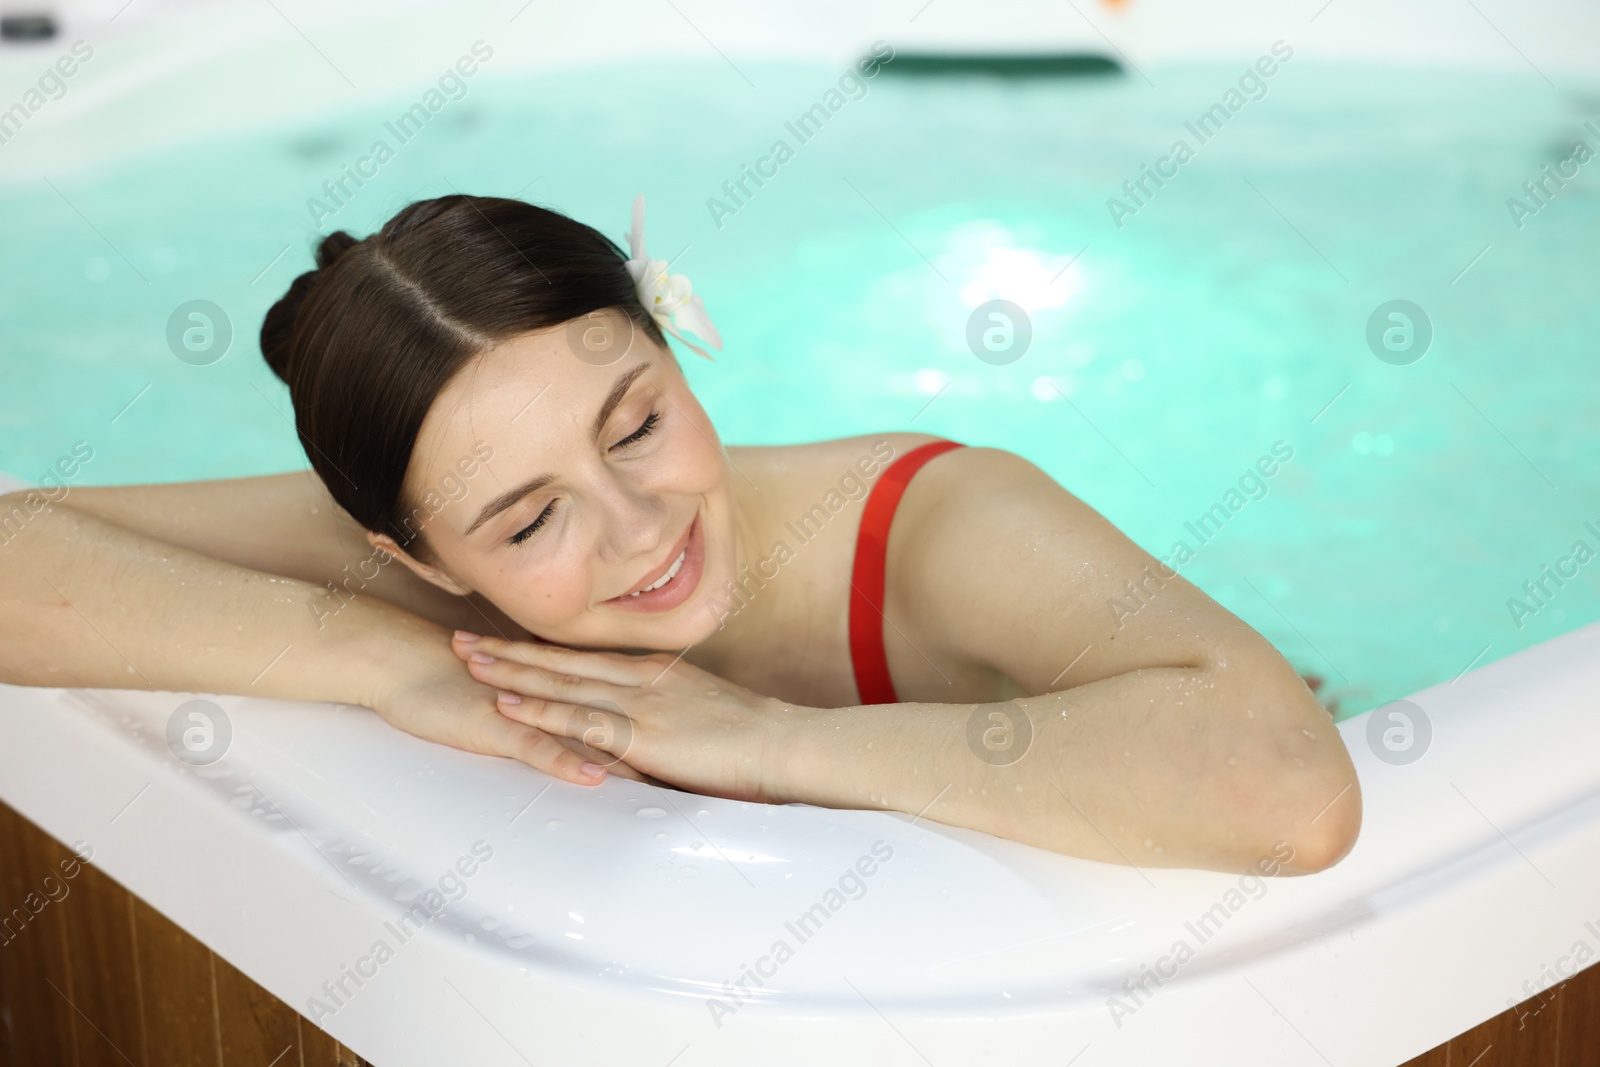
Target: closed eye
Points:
(532, 527)
(645, 429)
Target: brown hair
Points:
(366, 341)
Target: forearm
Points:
(84, 602)
(1158, 767)
(286, 525)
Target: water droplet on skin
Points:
(1309, 734)
(650, 813)
(1148, 843)
(1232, 760)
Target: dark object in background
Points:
(37, 27)
(1041, 65)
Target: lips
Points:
(675, 578)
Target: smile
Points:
(672, 582)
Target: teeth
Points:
(672, 572)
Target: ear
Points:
(427, 572)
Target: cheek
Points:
(695, 464)
(542, 594)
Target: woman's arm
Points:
(86, 602)
(282, 524)
(1165, 733)
(1172, 737)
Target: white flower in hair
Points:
(668, 298)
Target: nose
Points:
(634, 520)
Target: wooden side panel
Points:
(317, 1049)
(1434, 1057)
(33, 948)
(105, 980)
(1580, 1019)
(1525, 1036)
(258, 1029)
(175, 976)
(1557, 1028)
(350, 1059)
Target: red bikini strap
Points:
(867, 581)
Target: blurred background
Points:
(1372, 261)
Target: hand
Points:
(432, 698)
(673, 721)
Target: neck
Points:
(748, 611)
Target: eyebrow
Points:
(508, 499)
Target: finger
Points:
(532, 680)
(618, 668)
(539, 750)
(615, 767)
(601, 729)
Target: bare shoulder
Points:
(825, 460)
(972, 492)
(999, 564)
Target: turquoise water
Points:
(1220, 318)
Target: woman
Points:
(588, 578)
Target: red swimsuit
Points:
(866, 593)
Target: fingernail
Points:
(591, 769)
(482, 657)
(464, 636)
(510, 698)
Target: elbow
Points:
(1316, 814)
(1300, 800)
(1323, 843)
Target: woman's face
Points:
(603, 515)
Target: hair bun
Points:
(277, 329)
(332, 247)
